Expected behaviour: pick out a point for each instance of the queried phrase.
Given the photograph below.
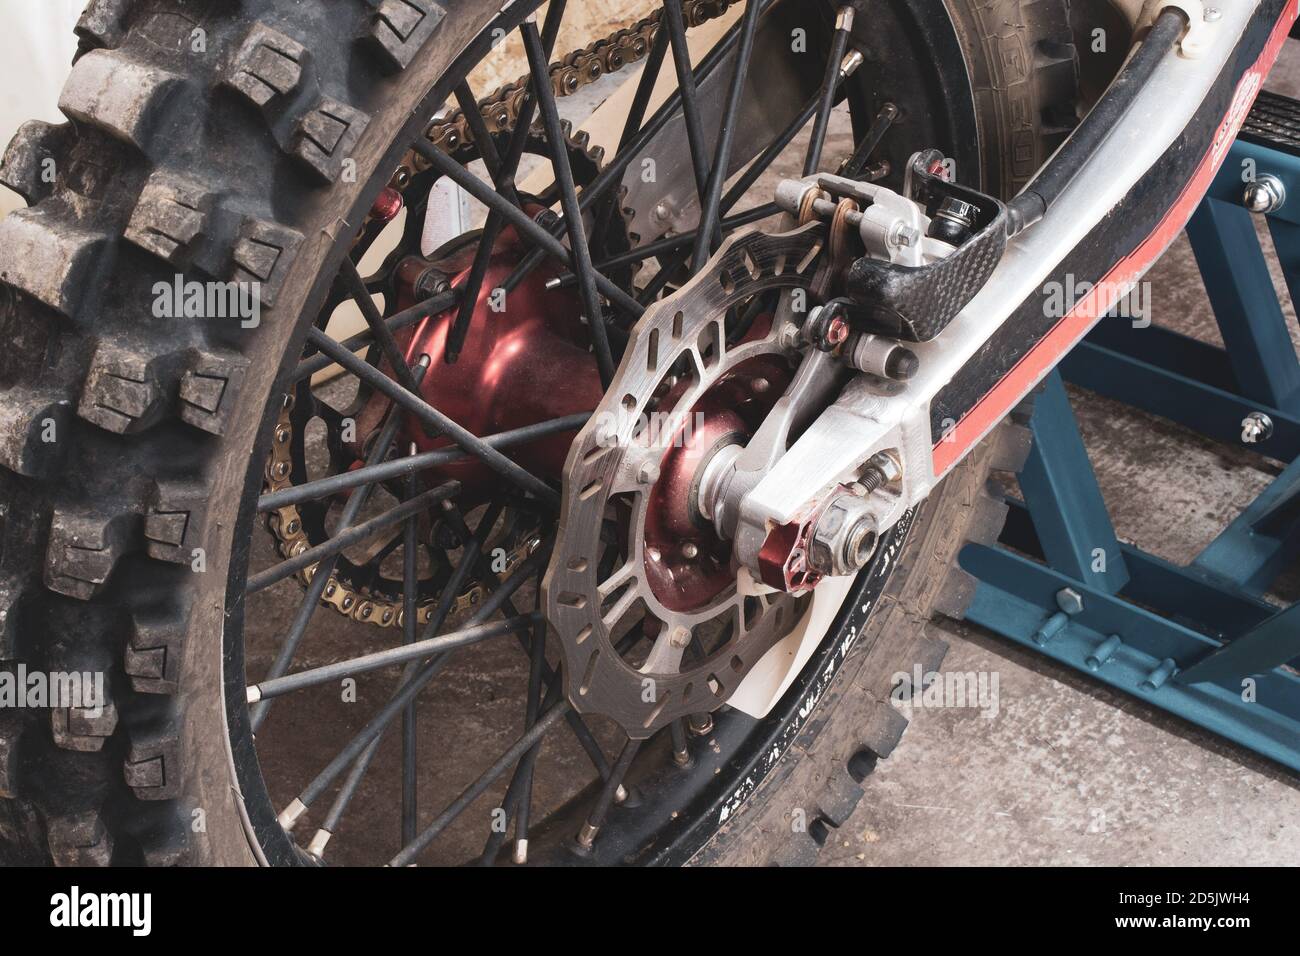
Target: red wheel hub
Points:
(525, 360)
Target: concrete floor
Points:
(1068, 772)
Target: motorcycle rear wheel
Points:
(166, 168)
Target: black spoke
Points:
(413, 403)
(330, 673)
(673, 21)
(411, 850)
(487, 147)
(320, 578)
(615, 169)
(831, 82)
(661, 247)
(382, 334)
(346, 538)
(747, 179)
(608, 795)
(526, 227)
(550, 676)
(473, 286)
(401, 467)
(644, 90)
(532, 706)
(415, 679)
(399, 320)
(503, 174)
(582, 266)
(709, 231)
(410, 622)
(681, 749)
(343, 800)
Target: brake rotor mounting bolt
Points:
(680, 637)
(689, 551)
(1256, 427)
(700, 725)
(760, 385)
(648, 473)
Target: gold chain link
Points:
(360, 605)
(580, 68)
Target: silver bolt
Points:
(1069, 600)
(1256, 427)
(760, 385)
(1213, 14)
(663, 212)
(689, 551)
(648, 473)
(905, 235)
(680, 637)
(1264, 195)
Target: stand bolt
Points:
(1256, 427)
(1069, 600)
(1265, 195)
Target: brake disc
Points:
(671, 624)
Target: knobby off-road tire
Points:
(231, 139)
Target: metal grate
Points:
(1274, 121)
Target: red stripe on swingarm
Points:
(999, 400)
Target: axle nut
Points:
(844, 538)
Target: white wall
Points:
(36, 48)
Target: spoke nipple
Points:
(849, 65)
(252, 694)
(291, 814)
(682, 757)
(620, 795)
(521, 851)
(316, 848)
(587, 835)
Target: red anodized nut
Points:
(387, 205)
(837, 332)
